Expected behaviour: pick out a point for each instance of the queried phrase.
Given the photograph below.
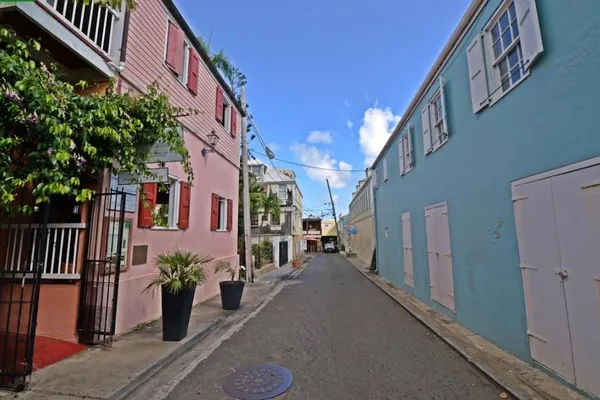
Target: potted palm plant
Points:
(180, 272)
(231, 290)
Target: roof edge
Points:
(463, 26)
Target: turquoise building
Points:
(487, 198)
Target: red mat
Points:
(48, 351)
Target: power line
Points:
(310, 166)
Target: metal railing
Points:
(59, 252)
(94, 21)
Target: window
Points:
(405, 152)
(226, 117)
(167, 206)
(435, 125)
(185, 62)
(222, 214)
(506, 45)
(254, 220)
(504, 52)
(113, 240)
(385, 175)
(282, 193)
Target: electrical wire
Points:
(309, 166)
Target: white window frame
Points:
(405, 152)
(186, 63)
(284, 197)
(493, 63)
(222, 224)
(226, 120)
(438, 129)
(175, 199)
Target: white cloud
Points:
(320, 137)
(310, 155)
(347, 103)
(375, 130)
(349, 124)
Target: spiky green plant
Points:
(228, 268)
(179, 270)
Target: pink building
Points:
(160, 47)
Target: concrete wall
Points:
(215, 173)
(547, 121)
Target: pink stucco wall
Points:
(216, 173)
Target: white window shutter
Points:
(409, 156)
(477, 78)
(385, 175)
(426, 129)
(443, 106)
(529, 30)
(401, 155)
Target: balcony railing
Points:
(60, 251)
(94, 21)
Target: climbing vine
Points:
(57, 139)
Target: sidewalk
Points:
(134, 358)
(284, 272)
(521, 380)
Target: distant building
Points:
(311, 234)
(285, 230)
(361, 224)
(328, 232)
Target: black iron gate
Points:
(101, 268)
(283, 253)
(23, 230)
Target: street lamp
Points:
(213, 139)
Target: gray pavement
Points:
(341, 338)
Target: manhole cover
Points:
(258, 382)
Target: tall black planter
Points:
(231, 294)
(176, 310)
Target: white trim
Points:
(50, 226)
(438, 205)
(558, 171)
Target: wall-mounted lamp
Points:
(213, 139)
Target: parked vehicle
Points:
(329, 248)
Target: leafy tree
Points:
(57, 141)
(234, 77)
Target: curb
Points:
(501, 382)
(152, 370)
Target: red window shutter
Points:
(172, 38)
(145, 219)
(214, 212)
(233, 122)
(193, 72)
(179, 53)
(184, 206)
(219, 110)
(229, 215)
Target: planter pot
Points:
(176, 310)
(296, 263)
(231, 294)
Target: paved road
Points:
(342, 338)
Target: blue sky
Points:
(344, 69)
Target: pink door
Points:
(407, 250)
(558, 226)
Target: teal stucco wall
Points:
(549, 120)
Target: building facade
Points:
(200, 217)
(361, 224)
(486, 198)
(285, 230)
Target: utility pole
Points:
(337, 231)
(246, 193)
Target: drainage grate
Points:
(258, 382)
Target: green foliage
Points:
(179, 270)
(270, 205)
(234, 77)
(263, 251)
(116, 4)
(58, 141)
(228, 268)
